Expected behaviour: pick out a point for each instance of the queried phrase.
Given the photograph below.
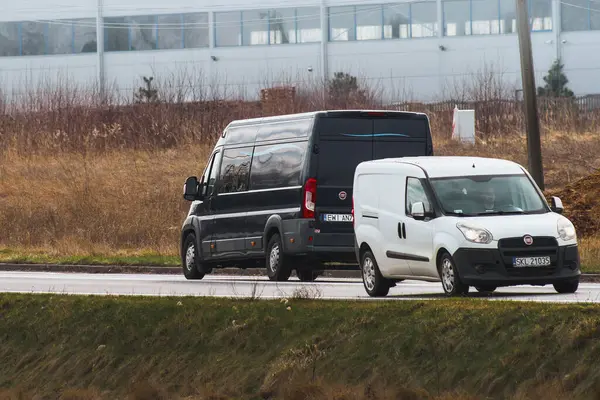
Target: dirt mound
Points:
(581, 200)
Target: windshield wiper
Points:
(457, 214)
(502, 213)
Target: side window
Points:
(213, 175)
(415, 192)
(277, 165)
(235, 169)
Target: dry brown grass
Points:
(79, 178)
(130, 200)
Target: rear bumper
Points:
(490, 267)
(301, 240)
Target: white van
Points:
(464, 221)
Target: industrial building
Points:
(415, 47)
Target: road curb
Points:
(144, 269)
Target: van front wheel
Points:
(567, 286)
(191, 259)
(278, 265)
(451, 282)
(375, 284)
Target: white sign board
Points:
(463, 125)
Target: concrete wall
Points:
(416, 69)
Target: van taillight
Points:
(310, 197)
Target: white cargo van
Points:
(464, 221)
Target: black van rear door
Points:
(345, 140)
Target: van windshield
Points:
(488, 195)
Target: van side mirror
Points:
(556, 205)
(418, 211)
(191, 189)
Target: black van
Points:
(277, 191)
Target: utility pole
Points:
(532, 125)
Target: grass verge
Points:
(104, 347)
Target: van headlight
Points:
(566, 229)
(475, 234)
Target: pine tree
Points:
(556, 82)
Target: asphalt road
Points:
(259, 287)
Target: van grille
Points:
(516, 247)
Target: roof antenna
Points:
(473, 165)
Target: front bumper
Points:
(494, 267)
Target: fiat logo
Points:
(528, 240)
(342, 195)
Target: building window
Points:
(170, 32)
(423, 19)
(342, 23)
(282, 28)
(540, 15)
(143, 32)
(485, 17)
(457, 21)
(116, 34)
(228, 28)
(152, 32)
(577, 15)
(195, 28)
(10, 42)
(396, 21)
(33, 38)
(268, 26)
(492, 17)
(508, 17)
(369, 22)
(255, 26)
(387, 21)
(84, 36)
(308, 24)
(36, 38)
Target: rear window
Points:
(386, 128)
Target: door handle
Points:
(401, 230)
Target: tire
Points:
(278, 265)
(190, 259)
(485, 289)
(307, 275)
(570, 286)
(451, 282)
(375, 284)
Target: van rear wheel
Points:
(278, 265)
(375, 284)
(451, 282)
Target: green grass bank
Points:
(68, 347)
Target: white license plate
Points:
(531, 261)
(337, 217)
